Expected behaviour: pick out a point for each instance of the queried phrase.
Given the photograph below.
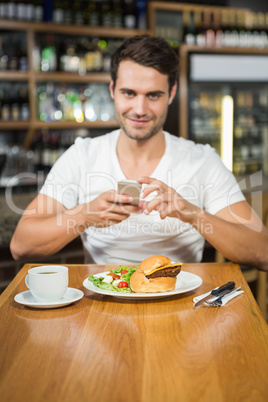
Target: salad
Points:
(116, 280)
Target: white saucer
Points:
(71, 296)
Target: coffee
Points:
(47, 288)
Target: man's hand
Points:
(108, 209)
(167, 201)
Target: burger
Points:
(155, 274)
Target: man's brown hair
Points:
(148, 51)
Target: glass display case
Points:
(228, 107)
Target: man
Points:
(188, 195)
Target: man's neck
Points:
(140, 158)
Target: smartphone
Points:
(131, 188)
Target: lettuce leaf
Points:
(107, 286)
(98, 281)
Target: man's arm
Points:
(235, 231)
(238, 234)
(42, 229)
(47, 226)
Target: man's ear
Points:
(111, 87)
(172, 93)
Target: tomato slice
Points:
(125, 271)
(114, 276)
(122, 284)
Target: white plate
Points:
(186, 281)
(71, 296)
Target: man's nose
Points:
(140, 105)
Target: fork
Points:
(218, 302)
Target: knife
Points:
(216, 292)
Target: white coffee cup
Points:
(47, 283)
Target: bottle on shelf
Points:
(234, 29)
(24, 103)
(98, 59)
(217, 28)
(58, 12)
(21, 10)
(200, 38)
(89, 56)
(94, 14)
(105, 47)
(38, 10)
(263, 30)
(3, 10)
(29, 10)
(117, 14)
(69, 60)
(11, 9)
(6, 105)
(209, 32)
(45, 102)
(86, 12)
(14, 104)
(105, 13)
(37, 57)
(129, 14)
(22, 54)
(77, 11)
(78, 105)
(67, 16)
(48, 55)
(189, 35)
(142, 14)
(241, 25)
(3, 56)
(93, 55)
(81, 47)
(13, 62)
(185, 24)
(260, 39)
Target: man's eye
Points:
(154, 96)
(128, 93)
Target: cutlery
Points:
(218, 301)
(216, 292)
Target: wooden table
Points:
(106, 349)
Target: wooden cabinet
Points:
(33, 78)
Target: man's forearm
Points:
(45, 235)
(237, 242)
(47, 225)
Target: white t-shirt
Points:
(90, 167)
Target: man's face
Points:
(141, 99)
